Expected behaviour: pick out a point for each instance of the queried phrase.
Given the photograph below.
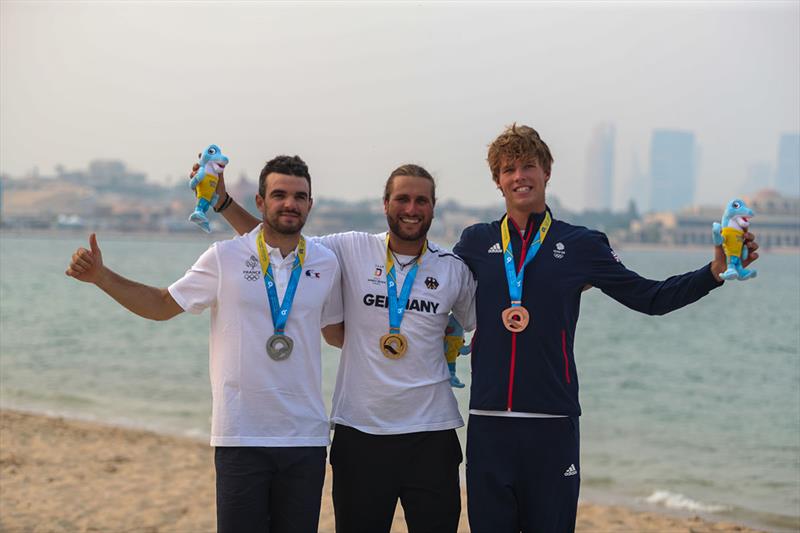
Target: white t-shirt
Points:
(378, 395)
(258, 401)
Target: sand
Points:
(65, 475)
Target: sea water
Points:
(697, 411)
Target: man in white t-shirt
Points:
(393, 408)
(270, 292)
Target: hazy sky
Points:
(357, 89)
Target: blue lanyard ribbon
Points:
(280, 311)
(397, 306)
(513, 277)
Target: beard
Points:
(291, 228)
(396, 226)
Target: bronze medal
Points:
(516, 319)
(394, 345)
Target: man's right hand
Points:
(221, 194)
(87, 265)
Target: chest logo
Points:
(431, 282)
(312, 274)
(559, 251)
(377, 274)
(250, 273)
(495, 249)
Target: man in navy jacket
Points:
(523, 466)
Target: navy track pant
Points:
(523, 474)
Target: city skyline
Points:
(599, 180)
(788, 164)
(358, 89)
(673, 167)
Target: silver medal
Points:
(279, 347)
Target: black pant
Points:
(523, 474)
(269, 490)
(370, 472)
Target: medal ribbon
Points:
(513, 277)
(280, 311)
(397, 306)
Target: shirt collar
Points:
(534, 220)
(275, 255)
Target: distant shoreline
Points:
(654, 247)
(220, 235)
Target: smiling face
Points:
(409, 208)
(213, 159)
(520, 162)
(737, 215)
(285, 204)
(742, 221)
(217, 166)
(522, 183)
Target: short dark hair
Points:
(284, 164)
(409, 169)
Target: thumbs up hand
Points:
(87, 265)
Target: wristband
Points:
(225, 204)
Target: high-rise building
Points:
(759, 176)
(638, 186)
(787, 174)
(599, 177)
(672, 169)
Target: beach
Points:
(68, 475)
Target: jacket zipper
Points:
(525, 241)
(564, 350)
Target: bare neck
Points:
(405, 247)
(285, 243)
(521, 216)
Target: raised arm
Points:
(148, 302)
(236, 215)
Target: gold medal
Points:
(516, 319)
(394, 345)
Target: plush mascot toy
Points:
(204, 184)
(453, 347)
(730, 234)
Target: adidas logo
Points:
(495, 249)
(571, 471)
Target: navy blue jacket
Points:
(534, 370)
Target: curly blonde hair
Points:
(518, 143)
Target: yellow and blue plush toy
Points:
(204, 184)
(453, 347)
(730, 234)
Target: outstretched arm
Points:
(236, 215)
(148, 302)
